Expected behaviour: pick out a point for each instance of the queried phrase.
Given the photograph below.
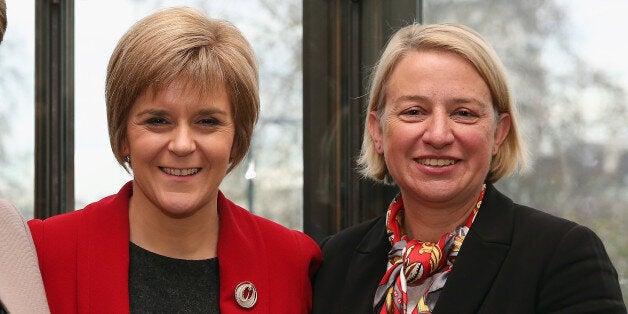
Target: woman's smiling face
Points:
(438, 130)
(180, 143)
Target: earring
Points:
(127, 164)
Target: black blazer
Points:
(514, 259)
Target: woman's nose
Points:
(438, 130)
(182, 142)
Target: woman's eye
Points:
(464, 116)
(412, 112)
(464, 113)
(156, 121)
(209, 121)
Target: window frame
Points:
(341, 42)
(54, 107)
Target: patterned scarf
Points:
(411, 262)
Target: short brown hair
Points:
(468, 44)
(182, 43)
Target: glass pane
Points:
(273, 169)
(567, 63)
(17, 107)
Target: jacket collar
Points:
(242, 257)
(366, 269)
(103, 259)
(481, 256)
(493, 224)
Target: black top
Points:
(160, 284)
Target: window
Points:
(17, 60)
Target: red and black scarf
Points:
(411, 262)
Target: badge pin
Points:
(246, 294)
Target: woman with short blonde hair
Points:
(182, 100)
(467, 43)
(166, 47)
(441, 126)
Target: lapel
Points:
(481, 256)
(103, 255)
(366, 269)
(241, 257)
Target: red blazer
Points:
(84, 259)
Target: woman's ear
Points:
(501, 131)
(375, 130)
(125, 150)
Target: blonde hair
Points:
(182, 43)
(467, 43)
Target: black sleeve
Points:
(580, 277)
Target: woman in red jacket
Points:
(182, 100)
